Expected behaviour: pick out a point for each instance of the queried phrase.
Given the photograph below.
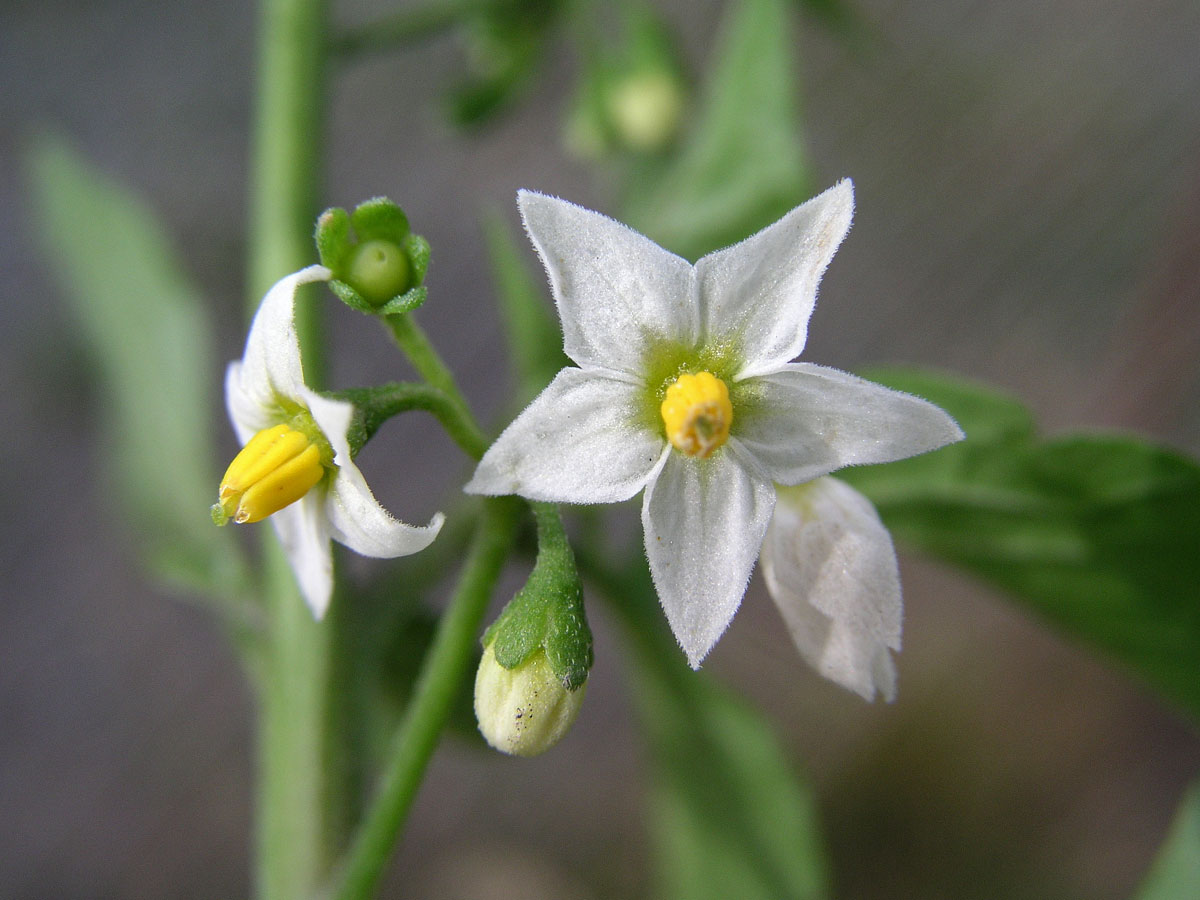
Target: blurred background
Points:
(1028, 186)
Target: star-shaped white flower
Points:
(268, 402)
(685, 389)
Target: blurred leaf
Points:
(506, 40)
(838, 15)
(728, 817)
(149, 336)
(743, 165)
(534, 340)
(1175, 874)
(1099, 534)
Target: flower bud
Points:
(378, 264)
(526, 710)
(646, 109)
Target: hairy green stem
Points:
(294, 795)
(442, 674)
(429, 364)
(374, 406)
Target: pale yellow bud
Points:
(523, 711)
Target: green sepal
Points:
(333, 239)
(380, 219)
(406, 302)
(548, 611)
(338, 237)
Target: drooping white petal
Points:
(830, 566)
(582, 440)
(304, 534)
(758, 295)
(704, 521)
(807, 421)
(271, 362)
(249, 412)
(617, 291)
(355, 517)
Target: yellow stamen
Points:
(276, 468)
(697, 413)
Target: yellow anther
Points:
(276, 468)
(697, 413)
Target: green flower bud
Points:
(379, 270)
(646, 109)
(378, 264)
(526, 710)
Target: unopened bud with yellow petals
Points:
(697, 414)
(277, 467)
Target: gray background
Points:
(1028, 181)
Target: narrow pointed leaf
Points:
(150, 339)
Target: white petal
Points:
(704, 522)
(304, 533)
(617, 291)
(830, 566)
(758, 295)
(271, 362)
(806, 421)
(355, 517)
(580, 441)
(249, 411)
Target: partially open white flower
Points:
(685, 390)
(296, 465)
(830, 566)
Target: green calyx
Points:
(547, 613)
(378, 264)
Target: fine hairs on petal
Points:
(704, 522)
(616, 296)
(585, 439)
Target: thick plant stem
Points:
(286, 158)
(445, 666)
(292, 846)
(294, 796)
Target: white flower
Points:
(296, 463)
(684, 389)
(830, 566)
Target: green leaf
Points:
(728, 817)
(534, 341)
(1175, 874)
(1099, 534)
(744, 164)
(151, 341)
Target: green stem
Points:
(429, 364)
(294, 794)
(374, 406)
(443, 671)
(286, 159)
(405, 27)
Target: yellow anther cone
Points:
(276, 468)
(697, 414)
